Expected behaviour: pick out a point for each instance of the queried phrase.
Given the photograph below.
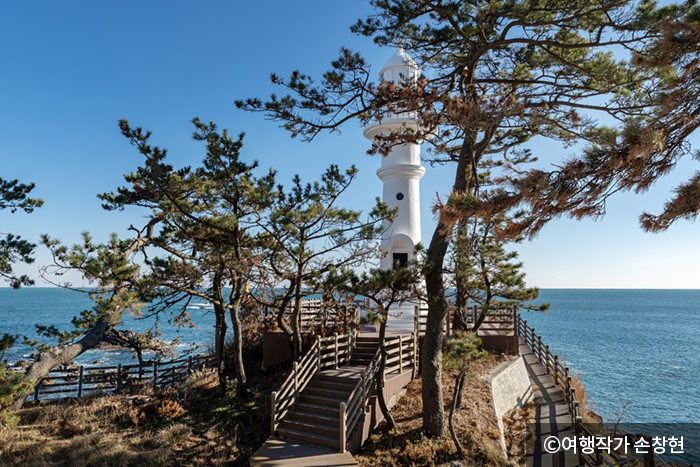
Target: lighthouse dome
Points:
(400, 67)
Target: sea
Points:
(638, 351)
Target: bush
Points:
(169, 409)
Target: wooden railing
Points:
(420, 320)
(82, 380)
(316, 313)
(328, 352)
(401, 354)
(504, 315)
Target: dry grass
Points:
(475, 422)
(193, 424)
(585, 405)
(519, 434)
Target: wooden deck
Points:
(284, 452)
(553, 416)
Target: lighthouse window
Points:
(399, 196)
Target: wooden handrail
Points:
(326, 352)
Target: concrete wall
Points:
(510, 388)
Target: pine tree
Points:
(498, 74)
(310, 234)
(15, 197)
(13, 248)
(486, 273)
(206, 239)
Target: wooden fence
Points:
(317, 313)
(82, 380)
(504, 316)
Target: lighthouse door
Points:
(400, 260)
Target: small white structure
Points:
(401, 170)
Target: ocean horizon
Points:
(636, 349)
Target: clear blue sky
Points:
(71, 69)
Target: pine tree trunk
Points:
(241, 376)
(47, 361)
(380, 376)
(433, 406)
(456, 402)
(281, 322)
(219, 344)
(220, 331)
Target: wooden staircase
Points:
(315, 418)
(325, 399)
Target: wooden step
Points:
(315, 438)
(332, 383)
(367, 343)
(321, 400)
(312, 407)
(312, 428)
(330, 393)
(324, 418)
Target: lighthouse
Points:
(400, 171)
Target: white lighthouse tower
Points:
(400, 171)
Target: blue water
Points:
(641, 346)
(21, 310)
(636, 346)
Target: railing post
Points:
(155, 375)
(649, 455)
(415, 355)
(318, 355)
(273, 407)
(546, 358)
(400, 353)
(36, 391)
(335, 337)
(189, 365)
(80, 381)
(363, 384)
(119, 377)
(295, 371)
(343, 437)
(415, 319)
